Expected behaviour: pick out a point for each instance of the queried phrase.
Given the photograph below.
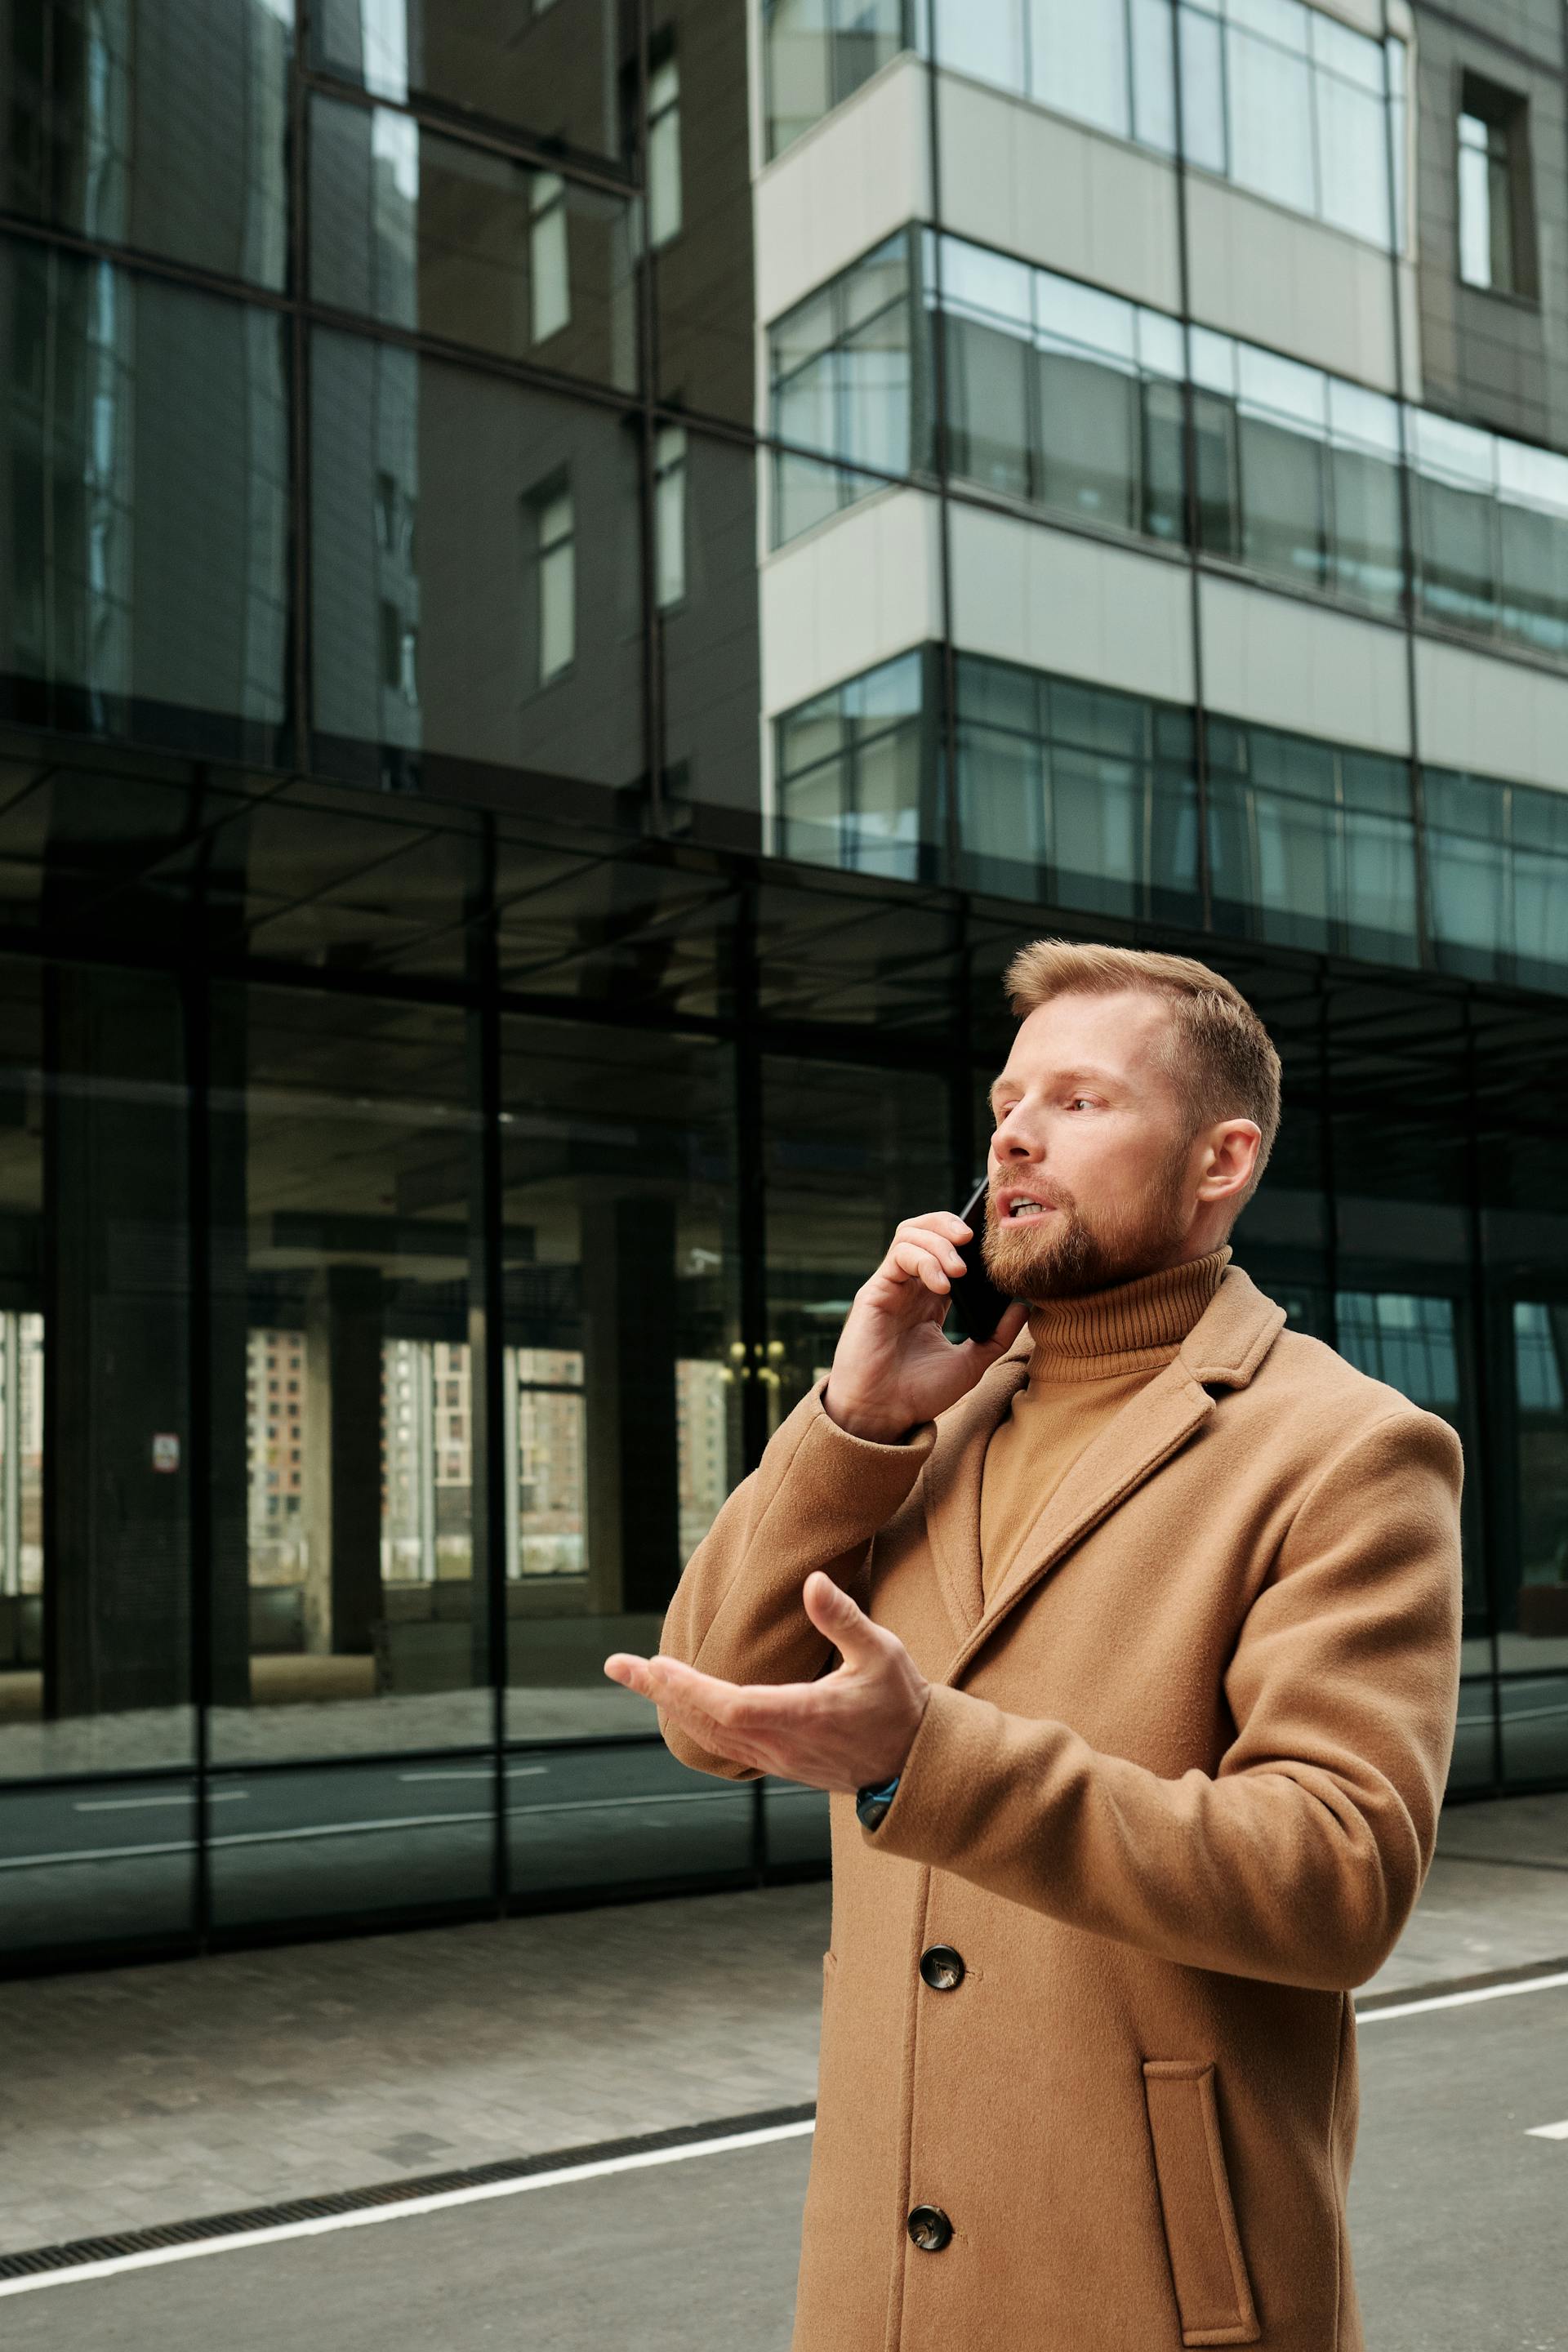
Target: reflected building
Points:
(570, 590)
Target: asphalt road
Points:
(1458, 2225)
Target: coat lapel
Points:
(951, 1488)
(1224, 1349)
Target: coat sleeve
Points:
(814, 1500)
(1300, 1859)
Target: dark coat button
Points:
(942, 1967)
(930, 2227)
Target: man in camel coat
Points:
(1128, 1643)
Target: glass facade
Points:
(519, 781)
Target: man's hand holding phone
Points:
(892, 1368)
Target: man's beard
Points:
(1065, 1255)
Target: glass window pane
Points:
(162, 126)
(455, 612)
(699, 216)
(1154, 84)
(1269, 95)
(1088, 460)
(710, 635)
(1534, 601)
(553, 72)
(135, 607)
(1466, 871)
(1366, 558)
(95, 1422)
(986, 42)
(1078, 60)
(1352, 155)
(1535, 1613)
(1219, 485)
(1457, 555)
(988, 398)
(1202, 90)
(453, 240)
(342, 1340)
(622, 1303)
(1284, 519)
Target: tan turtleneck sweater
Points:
(1091, 1356)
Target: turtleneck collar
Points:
(1134, 1326)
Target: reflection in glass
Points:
(817, 54)
(1535, 1607)
(842, 384)
(160, 124)
(1496, 868)
(856, 773)
(134, 608)
(476, 581)
(456, 241)
(343, 1389)
(552, 72)
(622, 1413)
(1073, 795)
(1312, 844)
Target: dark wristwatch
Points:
(871, 1804)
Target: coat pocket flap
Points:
(1214, 2294)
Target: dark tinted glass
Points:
(160, 124)
(95, 1439)
(477, 558)
(145, 444)
(547, 66)
(461, 243)
(699, 206)
(705, 534)
(347, 1399)
(623, 1366)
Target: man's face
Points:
(1092, 1166)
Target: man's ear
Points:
(1233, 1147)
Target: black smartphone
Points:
(977, 1304)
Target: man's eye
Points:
(1080, 1099)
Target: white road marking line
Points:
(1461, 1999)
(1547, 2131)
(482, 1773)
(131, 1804)
(409, 2208)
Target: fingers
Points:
(1007, 1331)
(630, 1672)
(938, 1221)
(859, 1641)
(920, 1252)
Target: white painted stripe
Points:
(1547, 2131)
(1461, 1999)
(409, 2208)
(480, 1773)
(134, 1804)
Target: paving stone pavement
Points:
(157, 2093)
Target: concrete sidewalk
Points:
(153, 2094)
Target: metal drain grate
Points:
(76, 2252)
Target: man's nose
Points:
(1013, 1141)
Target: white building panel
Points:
(1495, 718)
(853, 592)
(1054, 600)
(1056, 192)
(1276, 278)
(1284, 663)
(852, 179)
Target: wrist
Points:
(868, 1427)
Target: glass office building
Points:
(573, 581)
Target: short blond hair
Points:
(1220, 1055)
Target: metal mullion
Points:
(531, 150)
(200, 1550)
(299, 393)
(136, 262)
(473, 358)
(1190, 470)
(493, 1371)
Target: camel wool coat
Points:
(1173, 1795)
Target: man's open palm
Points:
(851, 1729)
